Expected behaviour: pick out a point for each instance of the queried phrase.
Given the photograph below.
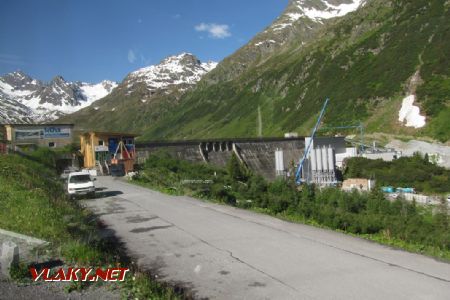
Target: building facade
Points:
(30, 136)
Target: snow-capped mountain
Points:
(27, 100)
(310, 14)
(143, 96)
(179, 70)
(299, 24)
(316, 11)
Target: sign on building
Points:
(56, 132)
(101, 149)
(50, 132)
(28, 134)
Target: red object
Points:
(3, 148)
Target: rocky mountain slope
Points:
(298, 25)
(27, 100)
(143, 96)
(385, 64)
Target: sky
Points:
(93, 40)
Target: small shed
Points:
(359, 184)
(106, 148)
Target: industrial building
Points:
(326, 155)
(31, 136)
(101, 149)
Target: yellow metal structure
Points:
(107, 147)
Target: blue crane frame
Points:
(298, 174)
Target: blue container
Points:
(388, 189)
(407, 190)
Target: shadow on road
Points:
(106, 194)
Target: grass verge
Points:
(32, 202)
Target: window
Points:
(101, 143)
(51, 145)
(80, 179)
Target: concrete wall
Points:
(257, 154)
(386, 156)
(422, 199)
(260, 157)
(189, 152)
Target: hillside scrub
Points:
(32, 202)
(416, 171)
(370, 215)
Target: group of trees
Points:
(358, 213)
(416, 171)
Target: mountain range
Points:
(143, 96)
(382, 63)
(27, 100)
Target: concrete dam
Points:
(258, 154)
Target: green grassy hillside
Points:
(363, 62)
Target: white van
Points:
(80, 183)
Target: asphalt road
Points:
(225, 253)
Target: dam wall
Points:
(257, 154)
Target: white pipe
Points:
(313, 160)
(319, 160)
(324, 158)
(330, 159)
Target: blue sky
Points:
(92, 40)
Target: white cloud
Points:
(131, 56)
(216, 31)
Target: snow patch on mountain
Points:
(265, 42)
(93, 92)
(410, 113)
(12, 110)
(331, 11)
(315, 10)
